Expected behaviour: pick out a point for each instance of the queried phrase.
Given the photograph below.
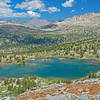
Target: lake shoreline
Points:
(57, 59)
(23, 62)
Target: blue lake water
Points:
(67, 69)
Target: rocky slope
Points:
(84, 90)
(79, 24)
(86, 19)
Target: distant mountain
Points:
(37, 23)
(33, 23)
(83, 20)
(76, 23)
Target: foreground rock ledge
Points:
(76, 91)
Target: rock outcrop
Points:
(89, 90)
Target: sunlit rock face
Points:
(86, 19)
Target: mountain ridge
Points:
(85, 18)
(72, 29)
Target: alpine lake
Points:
(51, 68)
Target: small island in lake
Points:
(30, 64)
